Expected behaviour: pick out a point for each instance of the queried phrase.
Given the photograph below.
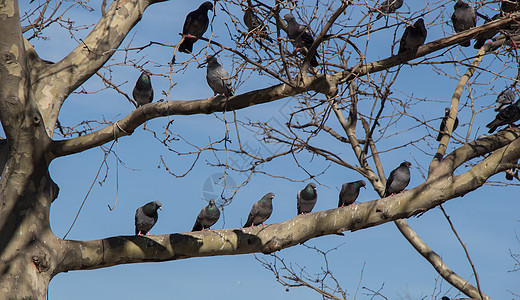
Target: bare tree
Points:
(349, 87)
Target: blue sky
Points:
(486, 219)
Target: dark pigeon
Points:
(301, 37)
(254, 24)
(481, 39)
(146, 216)
(509, 6)
(507, 116)
(463, 18)
(207, 217)
(195, 26)
(413, 36)
(143, 91)
(443, 124)
(306, 198)
(398, 179)
(260, 211)
(349, 192)
(505, 98)
(388, 7)
(218, 78)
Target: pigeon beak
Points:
(160, 207)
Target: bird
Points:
(254, 24)
(463, 18)
(505, 98)
(443, 124)
(146, 216)
(481, 39)
(349, 192)
(195, 26)
(306, 198)
(387, 7)
(398, 179)
(143, 91)
(218, 78)
(207, 217)
(413, 36)
(507, 116)
(509, 6)
(301, 37)
(260, 211)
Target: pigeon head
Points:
(145, 76)
(268, 196)
(289, 19)
(212, 61)
(405, 164)
(206, 6)
(151, 208)
(360, 183)
(211, 203)
(419, 23)
(447, 110)
(460, 4)
(309, 191)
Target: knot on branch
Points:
(41, 262)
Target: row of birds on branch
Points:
(146, 216)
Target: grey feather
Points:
(218, 78)
(306, 198)
(507, 116)
(260, 211)
(398, 179)
(505, 98)
(146, 216)
(208, 216)
(349, 192)
(388, 7)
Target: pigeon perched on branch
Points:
(146, 216)
(349, 192)
(507, 116)
(260, 211)
(254, 24)
(143, 91)
(398, 179)
(388, 7)
(505, 98)
(195, 26)
(443, 124)
(301, 37)
(208, 216)
(218, 78)
(306, 198)
(463, 18)
(413, 36)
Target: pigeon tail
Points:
(187, 45)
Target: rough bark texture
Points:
(30, 254)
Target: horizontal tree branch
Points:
(436, 190)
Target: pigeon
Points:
(260, 211)
(143, 91)
(349, 192)
(388, 6)
(398, 179)
(413, 36)
(507, 116)
(254, 24)
(463, 18)
(218, 78)
(207, 217)
(505, 98)
(195, 25)
(306, 198)
(511, 173)
(146, 216)
(301, 37)
(481, 39)
(443, 124)
(509, 6)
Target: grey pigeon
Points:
(146, 216)
(254, 24)
(195, 25)
(507, 116)
(218, 78)
(443, 124)
(207, 217)
(505, 98)
(398, 179)
(260, 211)
(413, 36)
(143, 91)
(349, 192)
(301, 37)
(481, 39)
(306, 198)
(388, 7)
(463, 18)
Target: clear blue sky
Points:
(486, 219)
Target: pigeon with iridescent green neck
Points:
(146, 216)
(143, 91)
(349, 192)
(207, 217)
(260, 211)
(306, 198)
